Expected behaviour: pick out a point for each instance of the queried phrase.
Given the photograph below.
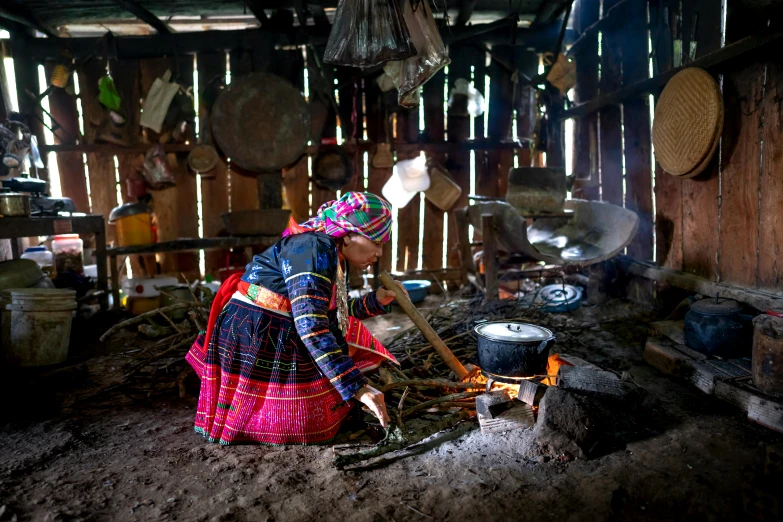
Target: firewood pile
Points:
(158, 341)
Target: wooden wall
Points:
(377, 117)
(725, 224)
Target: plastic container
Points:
(68, 250)
(139, 287)
(141, 305)
(417, 290)
(43, 257)
(36, 325)
(443, 192)
(133, 222)
(91, 271)
(413, 174)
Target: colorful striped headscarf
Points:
(359, 212)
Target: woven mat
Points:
(688, 121)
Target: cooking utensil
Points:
(203, 160)
(421, 323)
(332, 168)
(559, 298)
(25, 183)
(509, 350)
(175, 294)
(14, 204)
(267, 112)
(718, 327)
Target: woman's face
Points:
(360, 251)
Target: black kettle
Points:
(717, 327)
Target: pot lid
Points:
(716, 306)
(25, 184)
(127, 209)
(559, 294)
(513, 331)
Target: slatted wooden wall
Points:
(724, 224)
(93, 181)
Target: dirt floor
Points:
(68, 454)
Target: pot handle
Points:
(544, 346)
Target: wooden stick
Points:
(446, 398)
(426, 330)
(167, 318)
(143, 317)
(432, 383)
(162, 354)
(402, 399)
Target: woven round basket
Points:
(687, 123)
(704, 164)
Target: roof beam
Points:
(466, 8)
(144, 15)
(20, 14)
(550, 10)
(500, 32)
(258, 11)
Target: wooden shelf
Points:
(436, 147)
(743, 48)
(193, 244)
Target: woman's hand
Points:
(385, 297)
(373, 399)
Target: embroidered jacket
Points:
(303, 269)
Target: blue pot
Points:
(417, 290)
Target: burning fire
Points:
(554, 362)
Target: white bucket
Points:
(36, 325)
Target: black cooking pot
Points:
(509, 351)
(718, 327)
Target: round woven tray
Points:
(688, 120)
(707, 159)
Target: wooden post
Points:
(490, 256)
(100, 259)
(270, 190)
(463, 237)
(115, 281)
(423, 326)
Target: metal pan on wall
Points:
(261, 122)
(332, 168)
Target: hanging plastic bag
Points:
(156, 104)
(413, 174)
(465, 100)
(367, 33)
(563, 72)
(108, 94)
(431, 55)
(156, 170)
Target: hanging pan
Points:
(261, 122)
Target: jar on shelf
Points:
(133, 223)
(68, 252)
(43, 258)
